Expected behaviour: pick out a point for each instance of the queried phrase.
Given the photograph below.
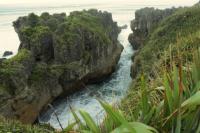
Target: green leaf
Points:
(159, 108)
(175, 89)
(85, 131)
(197, 86)
(178, 123)
(90, 122)
(78, 121)
(139, 128)
(116, 116)
(69, 127)
(144, 100)
(168, 93)
(149, 115)
(198, 129)
(192, 102)
(108, 124)
(186, 83)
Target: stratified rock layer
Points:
(145, 21)
(58, 55)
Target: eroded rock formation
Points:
(145, 21)
(7, 53)
(58, 55)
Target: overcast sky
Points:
(66, 2)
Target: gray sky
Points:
(66, 2)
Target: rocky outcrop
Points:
(58, 55)
(124, 26)
(145, 21)
(7, 53)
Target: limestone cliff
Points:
(58, 55)
(146, 20)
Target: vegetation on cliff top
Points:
(12, 67)
(171, 49)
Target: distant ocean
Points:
(9, 39)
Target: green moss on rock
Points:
(12, 65)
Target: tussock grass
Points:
(167, 95)
(177, 110)
(12, 126)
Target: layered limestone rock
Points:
(145, 21)
(58, 55)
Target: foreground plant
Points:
(177, 112)
(114, 122)
(179, 108)
(13, 126)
